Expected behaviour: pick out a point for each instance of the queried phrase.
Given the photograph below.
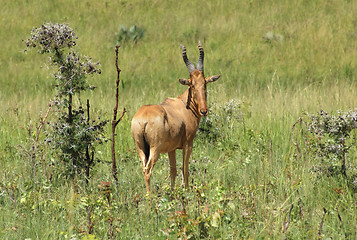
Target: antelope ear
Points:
(185, 81)
(212, 78)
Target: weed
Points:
(329, 138)
(73, 136)
(132, 34)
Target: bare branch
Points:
(115, 112)
(122, 115)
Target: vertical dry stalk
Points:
(115, 121)
(322, 223)
(157, 219)
(88, 158)
(90, 225)
(294, 139)
(341, 221)
(301, 212)
(295, 131)
(42, 122)
(343, 161)
(287, 223)
(38, 131)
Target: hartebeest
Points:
(172, 124)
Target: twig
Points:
(90, 222)
(115, 121)
(279, 209)
(295, 141)
(39, 128)
(88, 159)
(343, 160)
(287, 223)
(322, 223)
(340, 218)
(38, 131)
(157, 220)
(300, 205)
(294, 133)
(12, 194)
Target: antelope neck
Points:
(188, 100)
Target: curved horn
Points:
(200, 60)
(189, 65)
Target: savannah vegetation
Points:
(275, 158)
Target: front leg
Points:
(173, 171)
(186, 153)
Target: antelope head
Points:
(197, 82)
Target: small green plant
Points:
(73, 136)
(196, 214)
(132, 34)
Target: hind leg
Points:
(145, 163)
(140, 148)
(147, 169)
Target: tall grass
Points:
(247, 183)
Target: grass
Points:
(248, 183)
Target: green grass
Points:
(246, 182)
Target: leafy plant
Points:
(73, 135)
(132, 34)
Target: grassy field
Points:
(278, 60)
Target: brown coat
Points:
(171, 125)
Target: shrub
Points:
(220, 121)
(329, 138)
(73, 136)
